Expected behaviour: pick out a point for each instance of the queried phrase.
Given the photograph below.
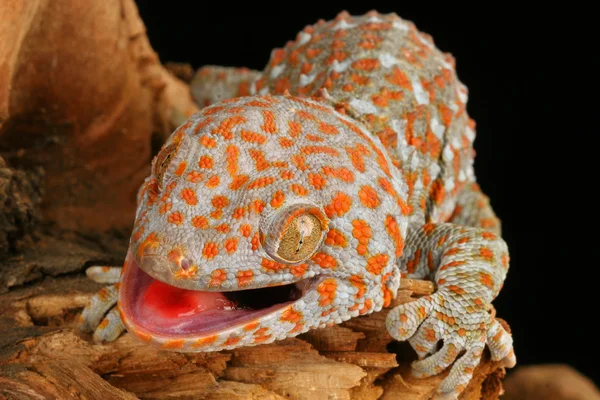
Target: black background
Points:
(530, 75)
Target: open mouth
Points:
(160, 309)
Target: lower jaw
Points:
(150, 308)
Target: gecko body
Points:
(347, 166)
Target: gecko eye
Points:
(163, 160)
(295, 233)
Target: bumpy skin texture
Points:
(214, 83)
(383, 154)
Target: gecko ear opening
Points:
(294, 233)
(162, 162)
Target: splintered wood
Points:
(43, 355)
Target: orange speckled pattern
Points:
(361, 123)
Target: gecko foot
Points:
(100, 315)
(464, 332)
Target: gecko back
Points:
(381, 71)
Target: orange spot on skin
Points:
(253, 137)
(339, 205)
(270, 265)
(327, 290)
(366, 307)
(489, 236)
(358, 282)
(210, 250)
(255, 242)
(287, 175)
(245, 277)
(377, 263)
(173, 344)
(291, 315)
(258, 206)
(261, 182)
(328, 128)
(213, 182)
(245, 230)
(143, 336)
(399, 78)
(165, 208)
(194, 177)
(238, 182)
(294, 128)
(206, 162)
(392, 228)
(317, 181)
(232, 154)
(231, 245)
(335, 238)
(189, 196)
(175, 218)
(341, 173)
(366, 64)
(362, 232)
(217, 278)
(269, 125)
(277, 199)
(208, 142)
(298, 270)
(223, 228)
(368, 197)
(486, 279)
(324, 260)
(220, 202)
(238, 213)
(226, 126)
(251, 326)
(384, 96)
(202, 124)
(414, 263)
(486, 253)
(232, 341)
(356, 155)
(456, 289)
(181, 168)
(452, 264)
(299, 189)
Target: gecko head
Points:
(263, 217)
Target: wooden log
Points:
(43, 355)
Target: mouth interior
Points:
(165, 310)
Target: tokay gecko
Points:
(298, 197)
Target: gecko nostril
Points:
(185, 264)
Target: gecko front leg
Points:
(469, 266)
(101, 315)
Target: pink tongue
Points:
(171, 302)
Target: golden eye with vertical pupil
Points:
(163, 159)
(295, 233)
